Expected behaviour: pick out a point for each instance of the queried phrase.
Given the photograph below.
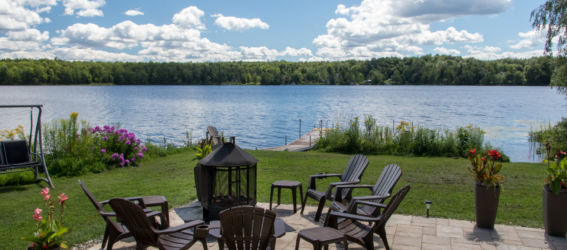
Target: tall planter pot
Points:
(554, 213)
(486, 204)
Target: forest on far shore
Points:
(436, 70)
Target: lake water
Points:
(261, 116)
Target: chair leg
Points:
(279, 195)
(105, 237)
(297, 242)
(369, 242)
(303, 203)
(204, 242)
(293, 196)
(271, 196)
(320, 208)
(382, 233)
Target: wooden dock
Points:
(304, 143)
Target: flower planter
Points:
(486, 204)
(554, 214)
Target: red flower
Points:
(472, 151)
(494, 154)
(483, 159)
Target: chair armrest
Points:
(312, 178)
(342, 183)
(352, 186)
(355, 216)
(371, 197)
(180, 227)
(369, 203)
(136, 198)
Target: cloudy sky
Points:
(266, 30)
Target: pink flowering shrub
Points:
(118, 147)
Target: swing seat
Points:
(16, 155)
(24, 155)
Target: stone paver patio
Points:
(404, 232)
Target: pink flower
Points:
(45, 193)
(128, 142)
(62, 198)
(133, 159)
(115, 155)
(144, 148)
(102, 150)
(127, 162)
(105, 138)
(37, 214)
(140, 155)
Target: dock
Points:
(306, 142)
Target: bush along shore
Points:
(404, 139)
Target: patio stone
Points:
(404, 232)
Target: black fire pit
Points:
(225, 178)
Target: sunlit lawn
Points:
(444, 181)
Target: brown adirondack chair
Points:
(247, 228)
(379, 192)
(352, 175)
(134, 218)
(114, 231)
(356, 230)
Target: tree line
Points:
(436, 70)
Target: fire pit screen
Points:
(225, 178)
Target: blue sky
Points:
(253, 30)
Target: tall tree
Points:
(552, 18)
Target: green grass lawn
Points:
(444, 181)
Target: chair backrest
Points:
(134, 218)
(387, 180)
(247, 227)
(353, 172)
(16, 152)
(214, 135)
(2, 156)
(392, 206)
(99, 207)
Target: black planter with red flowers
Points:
(485, 170)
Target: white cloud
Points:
(133, 13)
(86, 8)
(296, 52)
(240, 24)
(494, 53)
(189, 17)
(398, 27)
(446, 51)
(19, 15)
(530, 40)
(88, 54)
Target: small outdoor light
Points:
(428, 205)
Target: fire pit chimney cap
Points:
(228, 154)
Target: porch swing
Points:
(21, 155)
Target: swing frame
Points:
(34, 144)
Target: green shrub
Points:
(405, 139)
(555, 135)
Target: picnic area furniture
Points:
(355, 228)
(247, 228)
(292, 185)
(213, 136)
(321, 237)
(21, 155)
(352, 174)
(115, 231)
(379, 192)
(145, 234)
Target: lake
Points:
(262, 116)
